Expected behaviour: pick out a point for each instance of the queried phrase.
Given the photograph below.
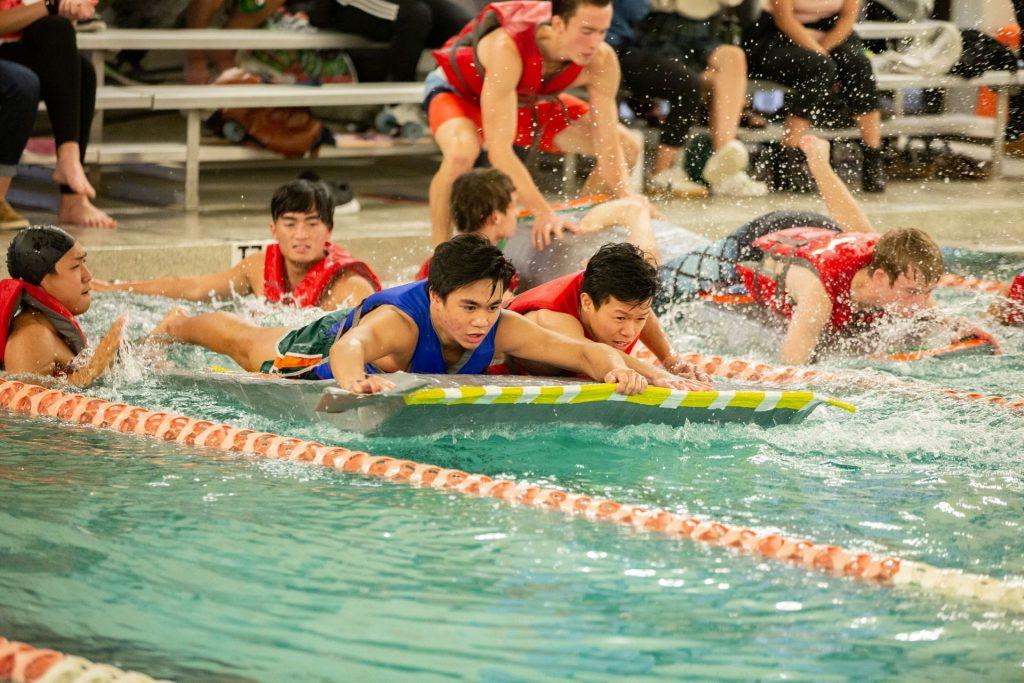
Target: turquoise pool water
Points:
(165, 560)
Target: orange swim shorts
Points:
(552, 117)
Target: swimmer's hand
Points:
(626, 381)
(103, 356)
(669, 381)
(979, 333)
(368, 385)
(815, 149)
(548, 225)
(677, 366)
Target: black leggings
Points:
(649, 75)
(817, 83)
(67, 80)
(420, 24)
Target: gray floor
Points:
(392, 229)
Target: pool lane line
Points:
(30, 399)
(753, 371)
(24, 663)
(970, 283)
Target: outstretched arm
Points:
(499, 104)
(841, 205)
(603, 90)
(195, 288)
(102, 357)
(381, 333)
(524, 339)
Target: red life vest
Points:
(1013, 311)
(424, 272)
(834, 257)
(18, 295)
(317, 278)
(561, 295)
(520, 20)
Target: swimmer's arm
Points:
(381, 333)
(602, 91)
(102, 357)
(811, 314)
(844, 25)
(653, 337)
(525, 339)
(346, 291)
(500, 116)
(842, 207)
(632, 213)
(192, 288)
(785, 20)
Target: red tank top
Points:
(561, 295)
(17, 295)
(520, 20)
(834, 257)
(316, 280)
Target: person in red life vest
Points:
(827, 275)
(453, 323)
(609, 303)
(484, 203)
(501, 81)
(50, 285)
(302, 267)
(1010, 310)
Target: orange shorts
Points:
(552, 117)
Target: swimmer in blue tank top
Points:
(452, 323)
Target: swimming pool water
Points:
(169, 561)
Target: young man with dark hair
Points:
(303, 267)
(452, 323)
(530, 52)
(49, 286)
(826, 275)
(609, 303)
(483, 203)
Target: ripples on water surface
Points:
(181, 565)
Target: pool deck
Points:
(393, 233)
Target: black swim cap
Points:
(34, 252)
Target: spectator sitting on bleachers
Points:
(809, 46)
(19, 102)
(684, 31)
(41, 37)
(649, 77)
(198, 14)
(408, 26)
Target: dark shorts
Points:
(302, 349)
(671, 35)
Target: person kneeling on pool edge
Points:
(610, 303)
(302, 267)
(452, 323)
(483, 203)
(50, 285)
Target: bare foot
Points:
(165, 330)
(69, 170)
(76, 209)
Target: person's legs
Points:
(199, 14)
(19, 102)
(448, 19)
(858, 89)
(727, 77)
(412, 26)
(247, 344)
(459, 141)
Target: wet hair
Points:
(620, 270)
(477, 195)
(567, 8)
(465, 259)
(902, 250)
(34, 252)
(303, 196)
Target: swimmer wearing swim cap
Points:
(49, 286)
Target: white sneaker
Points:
(739, 185)
(729, 160)
(675, 183)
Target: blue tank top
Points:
(427, 358)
